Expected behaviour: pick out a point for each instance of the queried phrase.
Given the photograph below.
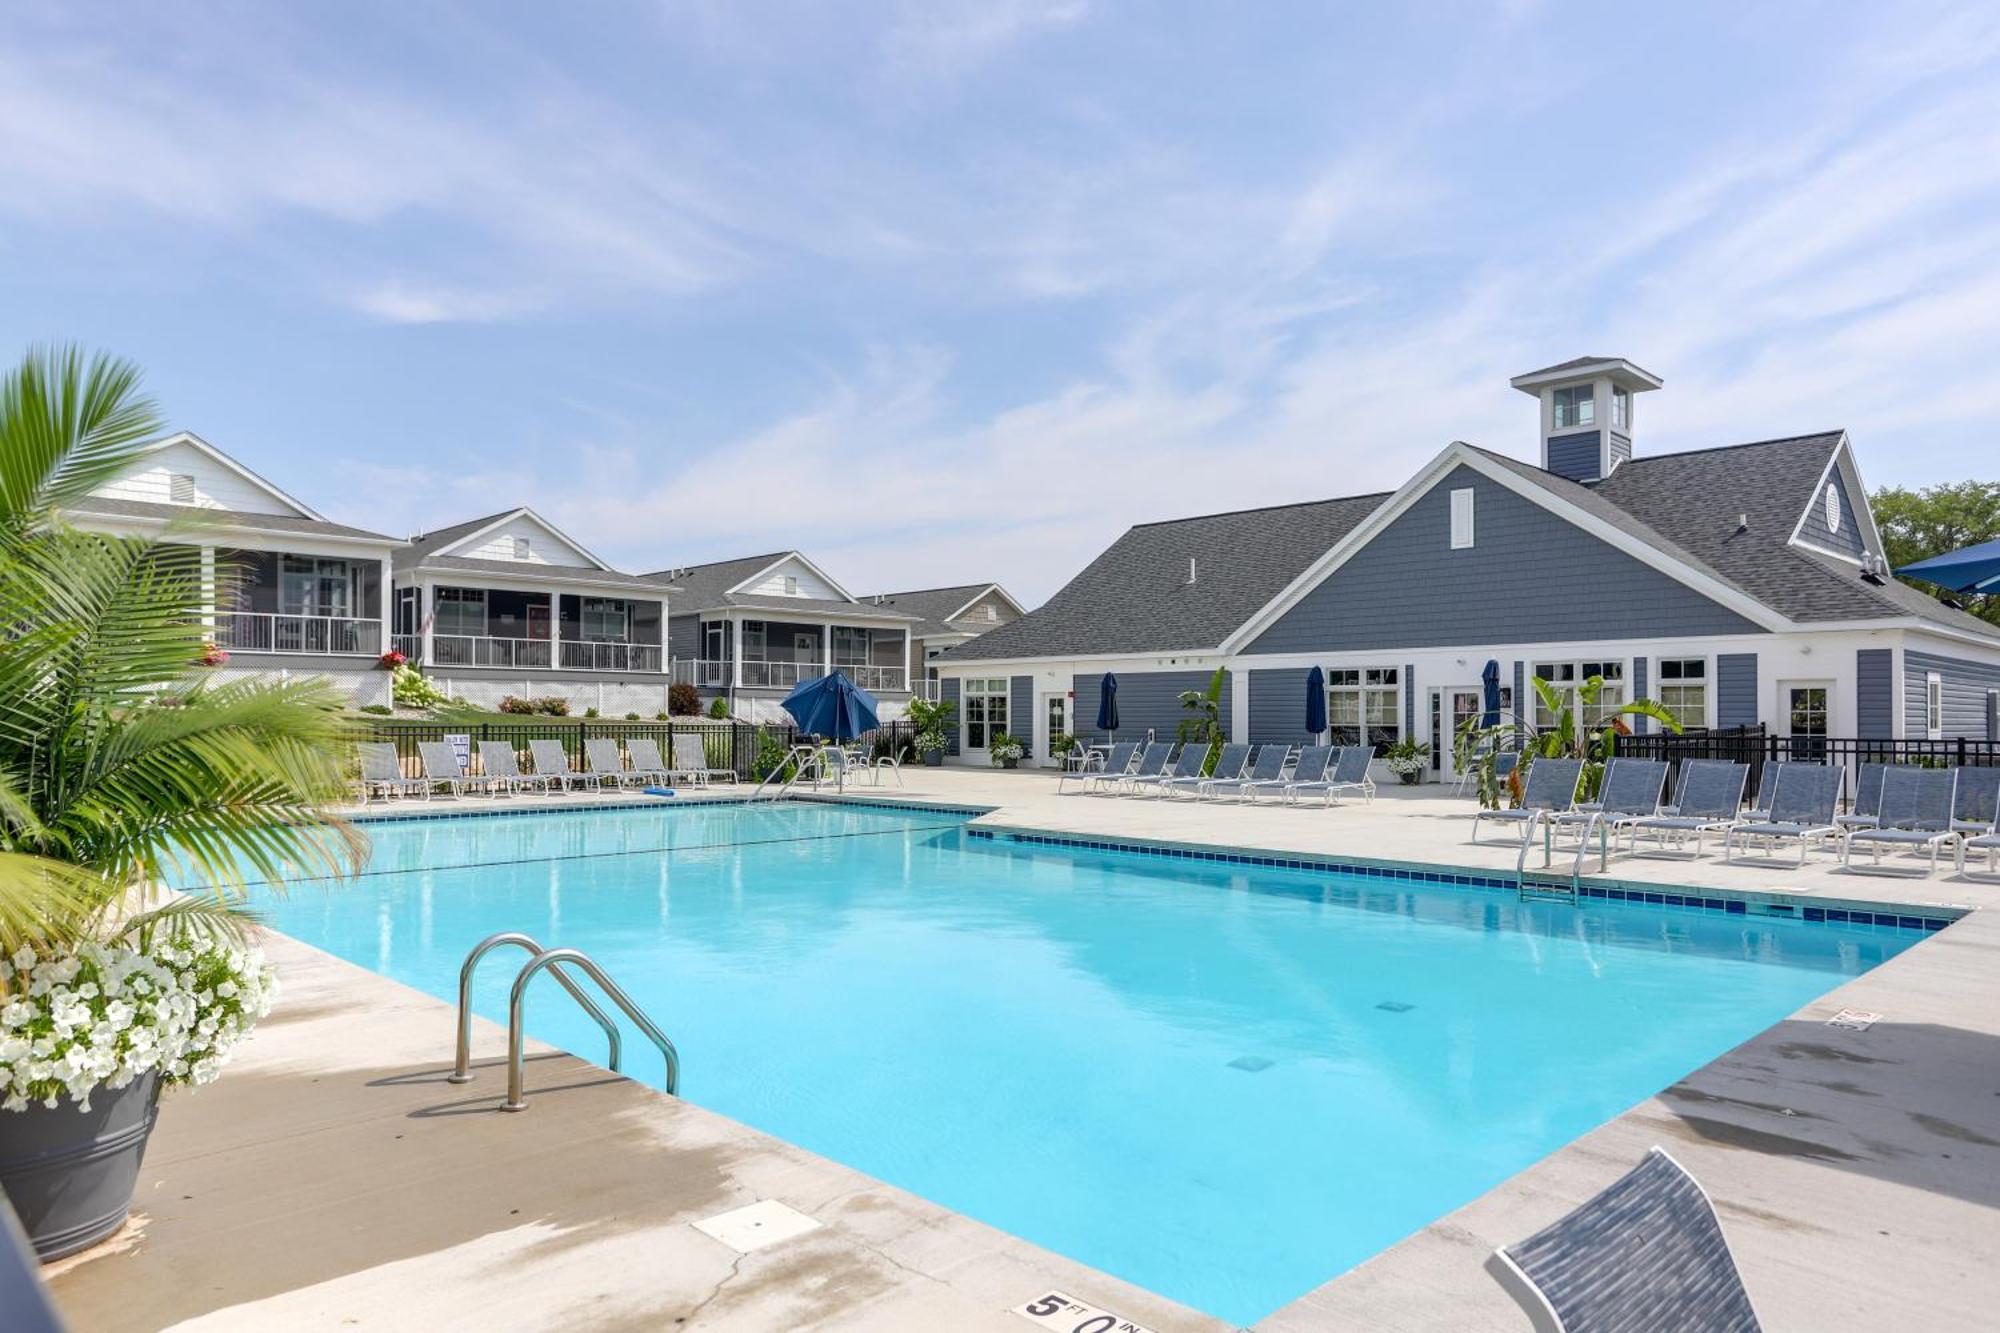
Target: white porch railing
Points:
(704, 672)
(610, 656)
(779, 675)
(875, 677)
(270, 632)
(465, 650)
(409, 645)
(708, 673)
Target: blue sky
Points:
(1011, 274)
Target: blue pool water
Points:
(1226, 1084)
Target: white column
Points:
(555, 630)
(826, 649)
(208, 588)
(427, 621)
(736, 661)
(385, 605)
(909, 670)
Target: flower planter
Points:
(1010, 763)
(70, 1173)
(933, 758)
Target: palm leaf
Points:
(67, 426)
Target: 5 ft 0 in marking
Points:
(1060, 1311)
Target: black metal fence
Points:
(731, 745)
(1756, 746)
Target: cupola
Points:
(1586, 419)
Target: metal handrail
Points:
(462, 1067)
(516, 1006)
(800, 758)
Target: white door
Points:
(805, 652)
(1054, 721)
(1452, 706)
(1805, 716)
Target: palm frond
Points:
(67, 426)
(45, 899)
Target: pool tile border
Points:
(378, 815)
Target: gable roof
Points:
(713, 587)
(936, 608)
(106, 506)
(444, 541)
(1135, 597)
(201, 446)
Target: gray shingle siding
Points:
(1965, 685)
(1150, 699)
(1875, 693)
(948, 693)
(1847, 541)
(1408, 589)
(1575, 456)
(1277, 705)
(1736, 689)
(1021, 712)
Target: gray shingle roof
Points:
(437, 538)
(931, 606)
(705, 586)
(540, 573)
(110, 507)
(1135, 597)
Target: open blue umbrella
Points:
(832, 706)
(1489, 681)
(1315, 702)
(1974, 569)
(1107, 705)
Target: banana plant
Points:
(1203, 724)
(1564, 738)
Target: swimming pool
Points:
(1226, 1083)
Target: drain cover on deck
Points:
(763, 1223)
(1250, 1064)
(1395, 1007)
(1854, 1020)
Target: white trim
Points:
(200, 445)
(1857, 509)
(1459, 454)
(529, 514)
(1933, 706)
(1470, 495)
(509, 580)
(799, 556)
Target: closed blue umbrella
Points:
(1315, 702)
(1974, 569)
(832, 706)
(1107, 705)
(1489, 680)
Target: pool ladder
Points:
(556, 963)
(1544, 884)
(800, 759)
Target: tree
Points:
(1917, 525)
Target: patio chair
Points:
(441, 765)
(1988, 842)
(1265, 772)
(1915, 813)
(1150, 765)
(691, 761)
(1185, 768)
(646, 760)
(1802, 804)
(607, 764)
(503, 768)
(1632, 789)
(382, 773)
(1710, 801)
(1767, 784)
(551, 761)
(1311, 769)
(1117, 762)
(1551, 789)
(1647, 1253)
(1977, 799)
(1229, 764)
(1867, 798)
(1346, 771)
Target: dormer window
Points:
(1575, 406)
(523, 548)
(1833, 509)
(180, 488)
(1621, 409)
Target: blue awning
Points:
(1974, 569)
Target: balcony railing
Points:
(610, 656)
(779, 675)
(409, 645)
(875, 677)
(708, 673)
(705, 672)
(465, 650)
(269, 632)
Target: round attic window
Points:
(1832, 508)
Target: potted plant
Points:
(123, 768)
(393, 659)
(932, 719)
(1004, 750)
(1406, 759)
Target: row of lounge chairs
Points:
(1243, 772)
(1897, 807)
(500, 773)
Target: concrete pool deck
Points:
(335, 1181)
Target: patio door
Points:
(1805, 716)
(1055, 722)
(1452, 706)
(538, 620)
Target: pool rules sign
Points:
(1059, 1311)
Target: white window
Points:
(310, 586)
(460, 611)
(180, 488)
(523, 549)
(1461, 519)
(850, 646)
(985, 703)
(1684, 689)
(1576, 406)
(992, 611)
(753, 640)
(1621, 409)
(714, 640)
(1934, 706)
(1566, 677)
(1364, 705)
(1832, 507)
(791, 585)
(606, 620)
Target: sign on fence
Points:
(461, 745)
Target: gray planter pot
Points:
(1010, 763)
(69, 1173)
(933, 758)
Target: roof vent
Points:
(1743, 522)
(1190, 577)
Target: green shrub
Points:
(555, 706)
(379, 710)
(515, 704)
(413, 689)
(659, 717)
(719, 709)
(631, 717)
(588, 712)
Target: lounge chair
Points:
(551, 761)
(1631, 790)
(1551, 790)
(1915, 813)
(1767, 783)
(1117, 763)
(1347, 770)
(1150, 765)
(1311, 769)
(382, 773)
(503, 768)
(646, 760)
(1229, 764)
(1988, 842)
(1802, 804)
(1186, 768)
(607, 763)
(1710, 801)
(1265, 772)
(441, 765)
(1867, 798)
(1977, 800)
(1647, 1253)
(691, 761)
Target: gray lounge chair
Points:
(1977, 800)
(552, 762)
(646, 760)
(1645, 1256)
(503, 768)
(1802, 805)
(1346, 771)
(1550, 790)
(382, 773)
(1631, 790)
(441, 766)
(1266, 771)
(1117, 763)
(1229, 764)
(607, 763)
(1314, 763)
(1767, 783)
(691, 761)
(1186, 768)
(1710, 801)
(1150, 765)
(1988, 842)
(1915, 813)
(1867, 798)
